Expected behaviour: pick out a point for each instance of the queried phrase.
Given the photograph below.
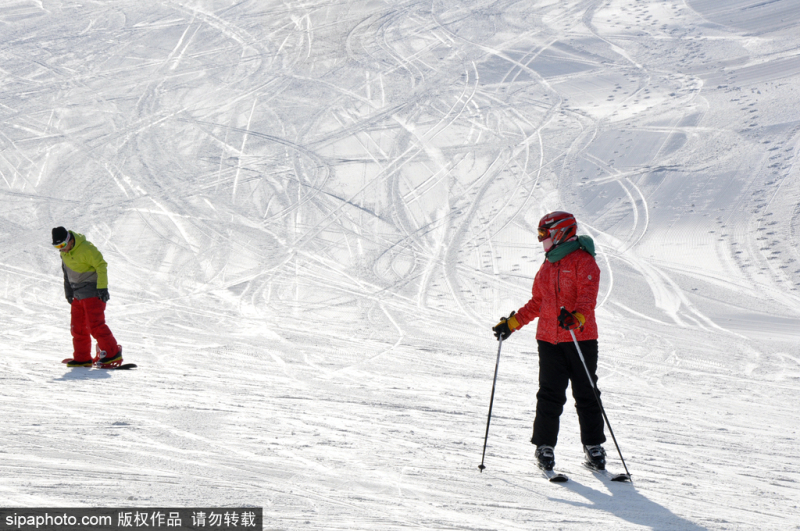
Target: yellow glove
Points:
(505, 327)
(571, 320)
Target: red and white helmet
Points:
(560, 226)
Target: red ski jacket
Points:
(572, 282)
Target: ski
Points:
(608, 475)
(555, 477)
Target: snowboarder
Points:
(564, 298)
(86, 290)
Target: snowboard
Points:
(123, 367)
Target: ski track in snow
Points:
(314, 212)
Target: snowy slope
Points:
(313, 212)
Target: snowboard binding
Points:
(103, 361)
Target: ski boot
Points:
(73, 363)
(595, 456)
(545, 459)
(104, 361)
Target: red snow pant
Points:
(89, 320)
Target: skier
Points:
(564, 298)
(86, 290)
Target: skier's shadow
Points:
(636, 508)
(82, 373)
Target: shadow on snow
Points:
(627, 503)
(84, 373)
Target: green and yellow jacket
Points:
(85, 271)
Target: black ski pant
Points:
(559, 365)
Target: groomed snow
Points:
(313, 213)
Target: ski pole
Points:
(491, 401)
(597, 397)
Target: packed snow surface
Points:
(313, 212)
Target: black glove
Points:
(570, 321)
(103, 295)
(505, 327)
(69, 298)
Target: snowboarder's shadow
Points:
(627, 503)
(83, 373)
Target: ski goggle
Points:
(543, 234)
(61, 245)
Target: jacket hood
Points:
(79, 240)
